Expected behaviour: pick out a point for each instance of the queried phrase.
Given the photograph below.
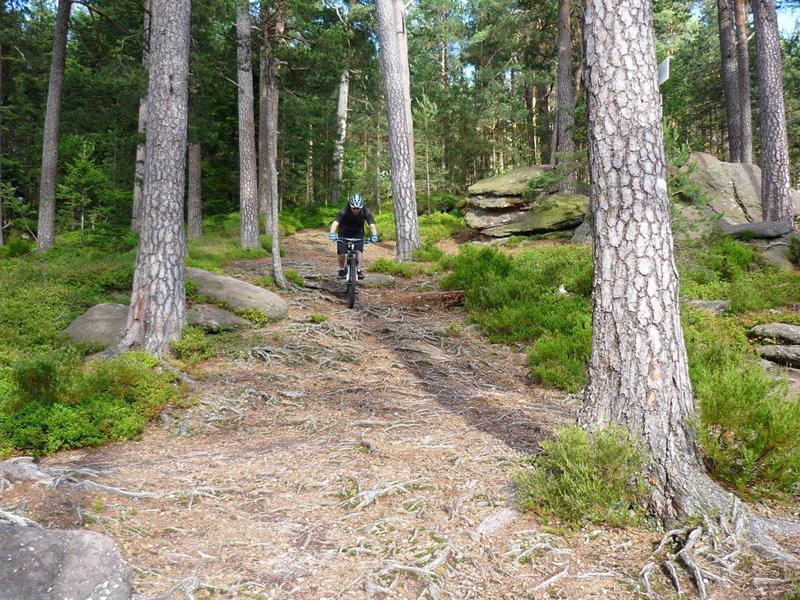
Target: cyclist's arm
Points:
(334, 226)
(371, 220)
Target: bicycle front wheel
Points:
(352, 282)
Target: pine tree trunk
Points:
(46, 230)
(263, 113)
(565, 101)
(743, 73)
(775, 198)
(394, 66)
(530, 122)
(248, 173)
(638, 374)
(158, 302)
(444, 81)
(270, 140)
(341, 135)
(195, 216)
(730, 79)
(2, 222)
(310, 167)
(543, 123)
(138, 177)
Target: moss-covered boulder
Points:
(551, 213)
(512, 183)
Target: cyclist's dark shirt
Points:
(351, 225)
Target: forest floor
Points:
(370, 455)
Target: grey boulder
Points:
(783, 355)
(101, 324)
(46, 564)
(214, 319)
(780, 332)
(237, 293)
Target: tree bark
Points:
(341, 135)
(396, 81)
(530, 122)
(138, 177)
(730, 79)
(638, 374)
(565, 101)
(543, 123)
(775, 198)
(158, 303)
(2, 223)
(269, 138)
(46, 230)
(743, 73)
(263, 114)
(248, 174)
(195, 216)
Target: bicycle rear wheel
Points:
(352, 282)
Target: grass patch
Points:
(428, 252)
(318, 318)
(54, 403)
(582, 477)
(398, 269)
(748, 428)
(219, 244)
(294, 277)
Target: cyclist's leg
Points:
(341, 251)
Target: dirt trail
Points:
(368, 456)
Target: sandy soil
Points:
(368, 456)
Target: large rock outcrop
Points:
(498, 206)
(237, 293)
(47, 564)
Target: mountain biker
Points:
(350, 224)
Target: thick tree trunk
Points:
(530, 121)
(158, 303)
(263, 114)
(743, 73)
(341, 135)
(565, 101)
(543, 123)
(444, 81)
(730, 78)
(775, 198)
(248, 173)
(195, 216)
(2, 222)
(638, 374)
(270, 140)
(394, 66)
(138, 177)
(46, 230)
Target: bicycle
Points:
(351, 268)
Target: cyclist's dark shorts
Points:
(341, 247)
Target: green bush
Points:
(583, 478)
(105, 400)
(428, 252)
(794, 249)
(41, 378)
(385, 265)
(194, 346)
(294, 277)
(749, 429)
(318, 318)
(15, 247)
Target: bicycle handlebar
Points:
(342, 239)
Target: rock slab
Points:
(215, 319)
(237, 293)
(780, 332)
(101, 324)
(513, 183)
(551, 213)
(783, 355)
(47, 564)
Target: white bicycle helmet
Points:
(357, 201)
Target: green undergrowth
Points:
(748, 427)
(51, 401)
(390, 267)
(48, 398)
(581, 478)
